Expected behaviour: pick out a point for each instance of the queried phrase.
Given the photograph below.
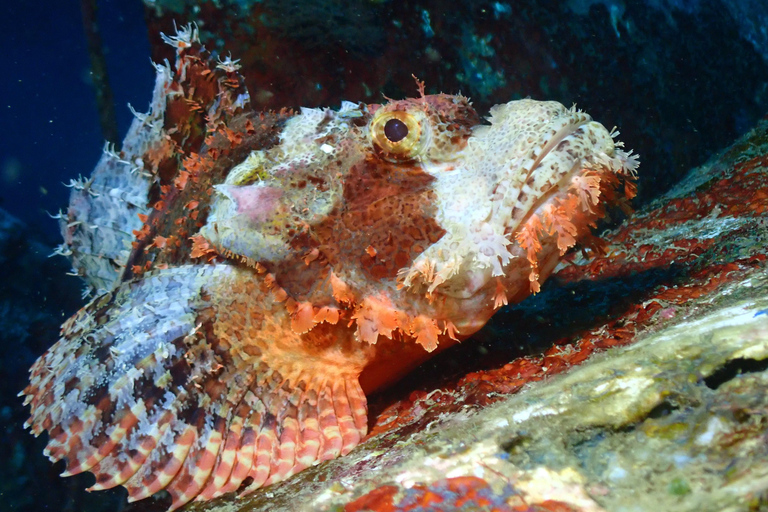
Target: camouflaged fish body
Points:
(323, 263)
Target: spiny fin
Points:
(150, 388)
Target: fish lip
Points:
(559, 136)
(554, 141)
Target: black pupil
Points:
(395, 130)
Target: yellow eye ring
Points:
(399, 135)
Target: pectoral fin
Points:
(191, 380)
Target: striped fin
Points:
(176, 382)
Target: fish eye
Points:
(399, 135)
(395, 130)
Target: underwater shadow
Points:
(560, 311)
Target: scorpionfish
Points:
(254, 275)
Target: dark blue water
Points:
(49, 133)
(50, 127)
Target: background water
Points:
(50, 130)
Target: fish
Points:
(253, 276)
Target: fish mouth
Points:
(561, 185)
(555, 140)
